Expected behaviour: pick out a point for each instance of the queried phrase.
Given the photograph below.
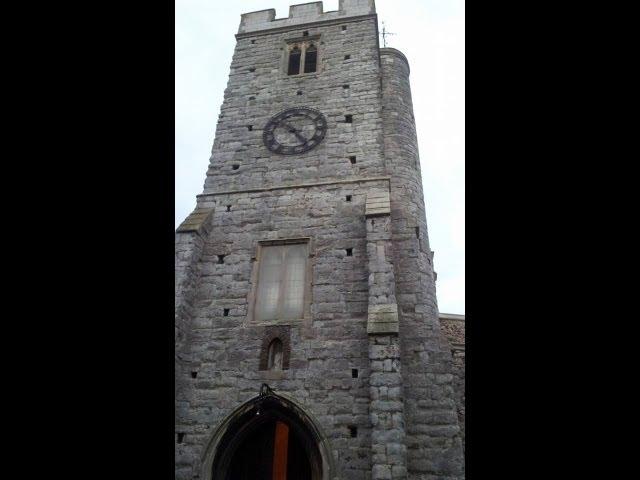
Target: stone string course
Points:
(403, 402)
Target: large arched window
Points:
(274, 356)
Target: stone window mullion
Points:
(283, 286)
(303, 50)
(292, 51)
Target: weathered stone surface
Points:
(374, 310)
(419, 328)
(453, 327)
(378, 203)
(195, 220)
(383, 318)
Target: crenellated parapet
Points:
(303, 13)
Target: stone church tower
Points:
(308, 341)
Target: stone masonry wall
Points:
(402, 401)
(253, 97)
(434, 447)
(188, 253)
(386, 411)
(453, 327)
(225, 351)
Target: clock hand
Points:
(291, 128)
(302, 139)
(295, 132)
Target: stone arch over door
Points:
(237, 427)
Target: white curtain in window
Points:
(281, 282)
(269, 283)
(293, 295)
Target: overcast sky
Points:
(431, 35)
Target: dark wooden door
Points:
(253, 459)
(280, 451)
(273, 451)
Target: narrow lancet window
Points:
(274, 359)
(310, 59)
(294, 61)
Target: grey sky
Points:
(429, 32)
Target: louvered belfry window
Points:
(302, 55)
(281, 282)
(294, 61)
(310, 59)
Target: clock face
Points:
(294, 131)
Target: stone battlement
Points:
(303, 13)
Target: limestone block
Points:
(381, 472)
(378, 203)
(382, 319)
(195, 220)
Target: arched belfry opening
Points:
(268, 438)
(310, 59)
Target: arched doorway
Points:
(268, 438)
